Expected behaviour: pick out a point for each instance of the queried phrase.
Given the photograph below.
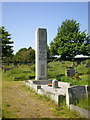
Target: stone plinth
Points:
(41, 54)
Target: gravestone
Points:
(70, 72)
(41, 54)
(55, 83)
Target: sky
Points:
(22, 19)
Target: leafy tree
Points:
(48, 52)
(20, 55)
(70, 41)
(25, 55)
(5, 43)
(31, 55)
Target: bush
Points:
(66, 79)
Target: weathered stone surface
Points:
(82, 111)
(75, 93)
(55, 83)
(70, 72)
(41, 54)
(41, 87)
(40, 82)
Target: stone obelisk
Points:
(41, 54)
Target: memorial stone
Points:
(70, 72)
(55, 83)
(41, 54)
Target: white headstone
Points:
(41, 54)
(55, 83)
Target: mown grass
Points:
(11, 111)
(41, 97)
(7, 112)
(59, 110)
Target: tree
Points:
(20, 55)
(48, 52)
(5, 43)
(31, 54)
(70, 41)
(25, 55)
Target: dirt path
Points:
(19, 102)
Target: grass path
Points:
(20, 102)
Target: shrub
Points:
(76, 76)
(66, 79)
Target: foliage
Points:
(67, 79)
(48, 52)
(5, 43)
(25, 55)
(70, 41)
(82, 69)
(76, 76)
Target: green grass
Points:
(82, 69)
(84, 103)
(41, 97)
(59, 110)
(56, 67)
(7, 112)
(23, 72)
(11, 110)
(55, 70)
(82, 81)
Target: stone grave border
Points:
(57, 94)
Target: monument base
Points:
(40, 82)
(42, 78)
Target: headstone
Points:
(41, 54)
(70, 72)
(55, 83)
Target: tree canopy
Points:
(70, 41)
(5, 43)
(25, 55)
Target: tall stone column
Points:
(41, 54)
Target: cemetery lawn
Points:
(18, 101)
(56, 70)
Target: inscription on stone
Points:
(42, 47)
(41, 54)
(42, 34)
(42, 70)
